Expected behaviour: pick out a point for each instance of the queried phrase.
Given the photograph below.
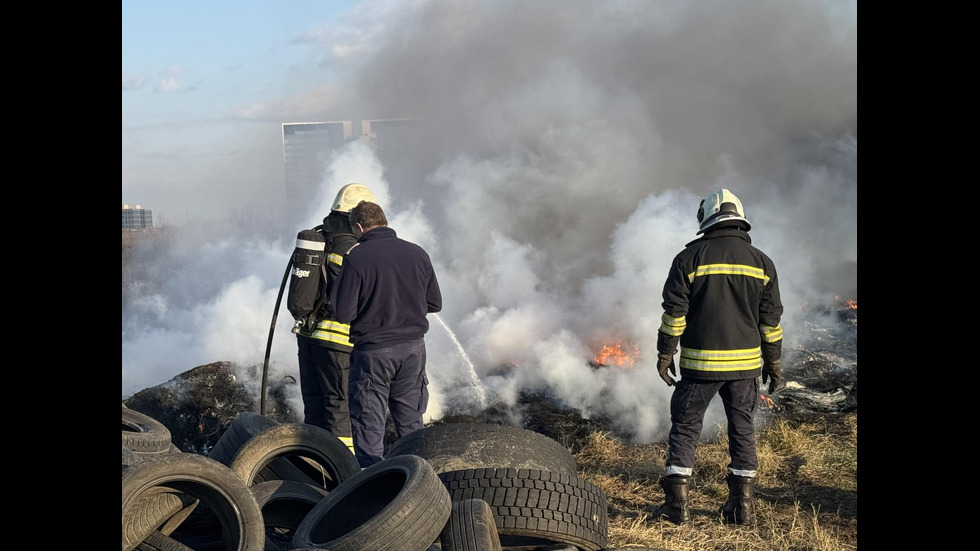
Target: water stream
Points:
(477, 384)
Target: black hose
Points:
(272, 329)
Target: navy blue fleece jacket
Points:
(385, 288)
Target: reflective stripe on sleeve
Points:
(669, 325)
(770, 333)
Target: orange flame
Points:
(850, 303)
(767, 401)
(614, 354)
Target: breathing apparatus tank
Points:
(304, 278)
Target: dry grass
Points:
(806, 491)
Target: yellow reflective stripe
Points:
(335, 258)
(729, 269)
(332, 337)
(333, 331)
(348, 441)
(744, 359)
(722, 355)
(699, 365)
(672, 326)
(770, 333)
(335, 326)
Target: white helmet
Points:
(720, 206)
(350, 195)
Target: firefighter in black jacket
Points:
(721, 304)
(324, 352)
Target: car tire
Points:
(220, 495)
(394, 505)
(284, 505)
(312, 455)
(143, 434)
(470, 528)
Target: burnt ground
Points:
(199, 404)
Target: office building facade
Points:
(136, 218)
(306, 149)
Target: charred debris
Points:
(199, 404)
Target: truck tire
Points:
(529, 503)
(461, 446)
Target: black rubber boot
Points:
(675, 502)
(739, 508)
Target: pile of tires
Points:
(290, 486)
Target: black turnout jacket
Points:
(721, 302)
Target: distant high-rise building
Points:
(136, 218)
(390, 137)
(306, 148)
(400, 147)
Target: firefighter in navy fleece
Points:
(722, 305)
(384, 291)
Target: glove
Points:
(665, 362)
(772, 372)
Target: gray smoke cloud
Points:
(562, 150)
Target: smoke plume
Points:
(562, 150)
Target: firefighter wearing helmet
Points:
(324, 344)
(722, 307)
(721, 206)
(349, 196)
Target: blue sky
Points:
(208, 59)
(206, 85)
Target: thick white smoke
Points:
(562, 152)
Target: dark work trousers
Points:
(385, 380)
(323, 379)
(687, 407)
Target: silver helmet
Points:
(720, 206)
